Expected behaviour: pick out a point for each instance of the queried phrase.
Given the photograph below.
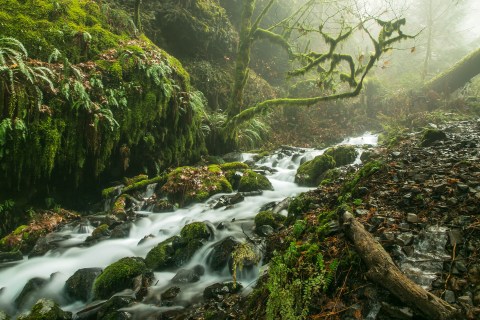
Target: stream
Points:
(61, 263)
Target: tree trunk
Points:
(243, 58)
(384, 272)
(428, 54)
(457, 76)
(136, 18)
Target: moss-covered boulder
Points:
(252, 181)
(311, 172)
(269, 218)
(186, 185)
(79, 286)
(120, 276)
(46, 309)
(342, 155)
(430, 136)
(178, 250)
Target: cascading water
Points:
(59, 264)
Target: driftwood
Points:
(383, 271)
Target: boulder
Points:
(112, 308)
(269, 218)
(189, 275)
(170, 294)
(11, 256)
(121, 275)
(252, 181)
(430, 136)
(46, 309)
(26, 295)
(100, 233)
(342, 155)
(221, 254)
(121, 231)
(162, 206)
(228, 200)
(79, 285)
(47, 243)
(311, 172)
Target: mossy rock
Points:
(430, 136)
(195, 231)
(161, 256)
(311, 172)
(342, 155)
(129, 181)
(268, 218)
(187, 185)
(119, 276)
(46, 309)
(300, 205)
(4, 316)
(234, 166)
(252, 181)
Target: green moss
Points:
(300, 205)
(130, 181)
(268, 218)
(119, 205)
(161, 256)
(342, 155)
(367, 170)
(429, 136)
(234, 166)
(195, 231)
(252, 181)
(118, 276)
(311, 172)
(143, 183)
(109, 192)
(45, 309)
(101, 230)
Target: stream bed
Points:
(55, 267)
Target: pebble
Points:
(465, 300)
(412, 218)
(449, 296)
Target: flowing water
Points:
(59, 264)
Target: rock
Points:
(252, 181)
(161, 256)
(282, 205)
(146, 238)
(265, 230)
(218, 290)
(47, 243)
(162, 206)
(101, 232)
(221, 254)
(79, 285)
(112, 308)
(311, 172)
(449, 296)
(11, 256)
(4, 316)
(405, 239)
(121, 231)
(342, 155)
(252, 193)
(430, 136)
(30, 288)
(232, 157)
(170, 294)
(455, 236)
(394, 312)
(189, 275)
(467, 300)
(120, 276)
(46, 309)
(269, 218)
(412, 218)
(228, 200)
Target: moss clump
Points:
(311, 172)
(367, 170)
(100, 231)
(234, 166)
(268, 218)
(252, 181)
(186, 185)
(46, 309)
(300, 205)
(430, 136)
(195, 231)
(132, 180)
(161, 256)
(342, 155)
(118, 276)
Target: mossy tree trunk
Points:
(457, 76)
(136, 18)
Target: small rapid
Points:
(55, 267)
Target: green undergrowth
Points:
(100, 104)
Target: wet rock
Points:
(218, 290)
(121, 231)
(412, 218)
(170, 294)
(449, 296)
(146, 238)
(282, 205)
(395, 312)
(46, 309)
(311, 172)
(228, 200)
(221, 254)
(47, 243)
(430, 136)
(100, 233)
(112, 308)
(189, 275)
(342, 155)
(121, 275)
(79, 285)
(28, 291)
(269, 218)
(361, 212)
(10, 256)
(252, 193)
(467, 300)
(265, 230)
(405, 239)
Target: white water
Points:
(63, 262)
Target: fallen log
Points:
(383, 271)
